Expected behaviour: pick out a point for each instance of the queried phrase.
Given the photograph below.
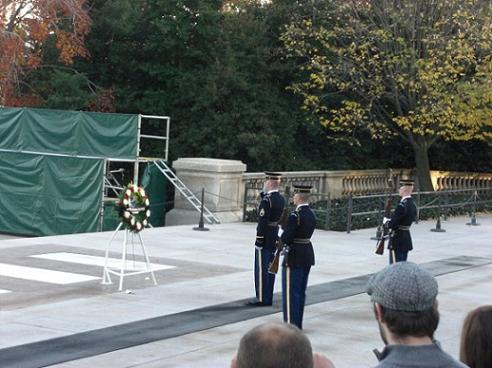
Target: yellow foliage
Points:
(437, 82)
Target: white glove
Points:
(258, 248)
(386, 220)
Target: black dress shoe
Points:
(253, 303)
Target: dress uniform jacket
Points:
(297, 263)
(401, 220)
(296, 235)
(269, 211)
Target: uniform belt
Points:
(273, 223)
(404, 228)
(301, 241)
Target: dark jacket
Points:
(401, 220)
(422, 356)
(296, 235)
(269, 212)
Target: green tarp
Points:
(155, 185)
(48, 195)
(111, 220)
(69, 132)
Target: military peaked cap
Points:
(302, 188)
(406, 182)
(272, 175)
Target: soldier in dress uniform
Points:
(400, 242)
(298, 256)
(269, 212)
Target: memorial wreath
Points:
(133, 208)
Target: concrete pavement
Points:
(210, 275)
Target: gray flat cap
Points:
(403, 286)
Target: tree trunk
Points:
(420, 149)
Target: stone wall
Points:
(223, 184)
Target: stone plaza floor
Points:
(55, 312)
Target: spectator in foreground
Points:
(476, 338)
(405, 307)
(274, 345)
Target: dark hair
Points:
(275, 346)
(418, 324)
(476, 338)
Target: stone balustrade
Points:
(228, 187)
(341, 183)
(449, 180)
(313, 178)
(362, 182)
(337, 183)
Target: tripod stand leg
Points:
(123, 261)
(106, 277)
(149, 268)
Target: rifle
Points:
(284, 217)
(387, 213)
(273, 267)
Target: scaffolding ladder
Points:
(183, 189)
(111, 183)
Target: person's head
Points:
(272, 181)
(302, 194)
(273, 345)
(406, 187)
(405, 305)
(476, 338)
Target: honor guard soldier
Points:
(298, 256)
(400, 242)
(269, 212)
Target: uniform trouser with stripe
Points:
(294, 284)
(397, 255)
(264, 281)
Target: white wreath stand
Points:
(121, 271)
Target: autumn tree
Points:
(417, 69)
(25, 26)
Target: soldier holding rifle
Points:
(269, 212)
(400, 242)
(298, 256)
